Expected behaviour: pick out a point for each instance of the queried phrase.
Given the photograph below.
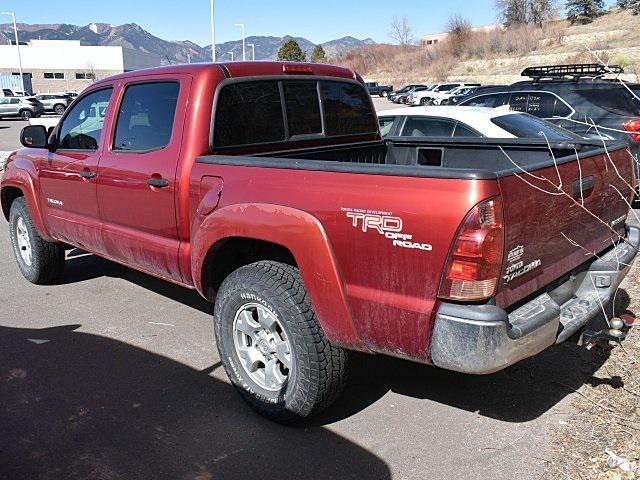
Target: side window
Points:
(561, 110)
(463, 131)
(303, 108)
(249, 113)
(491, 100)
(386, 123)
(82, 126)
(347, 109)
(15, 101)
(427, 127)
(145, 118)
(541, 104)
(518, 101)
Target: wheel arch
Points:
(247, 233)
(7, 196)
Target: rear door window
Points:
(145, 119)
(614, 99)
(539, 104)
(491, 100)
(463, 131)
(427, 127)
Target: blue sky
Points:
(318, 20)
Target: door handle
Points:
(87, 174)
(158, 182)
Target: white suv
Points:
(435, 94)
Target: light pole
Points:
(15, 31)
(253, 51)
(241, 25)
(213, 33)
(231, 53)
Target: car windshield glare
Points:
(523, 125)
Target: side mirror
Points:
(34, 136)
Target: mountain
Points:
(131, 35)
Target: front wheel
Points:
(59, 109)
(272, 345)
(39, 261)
(424, 102)
(383, 94)
(26, 115)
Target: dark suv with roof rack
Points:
(575, 97)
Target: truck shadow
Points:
(75, 405)
(520, 393)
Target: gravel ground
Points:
(605, 422)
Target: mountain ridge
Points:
(133, 36)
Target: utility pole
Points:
(15, 31)
(231, 53)
(241, 25)
(253, 51)
(213, 33)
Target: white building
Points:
(435, 38)
(68, 65)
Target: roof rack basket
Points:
(576, 70)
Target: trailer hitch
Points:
(616, 332)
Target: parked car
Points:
(404, 90)
(311, 235)
(456, 94)
(469, 122)
(20, 107)
(574, 97)
(435, 94)
(54, 103)
(6, 92)
(403, 98)
(380, 90)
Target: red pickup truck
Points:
(267, 188)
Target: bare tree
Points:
(459, 30)
(521, 12)
(401, 31)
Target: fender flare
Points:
(20, 174)
(303, 235)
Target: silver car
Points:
(54, 103)
(22, 107)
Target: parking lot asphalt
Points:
(114, 374)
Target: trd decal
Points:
(386, 224)
(515, 254)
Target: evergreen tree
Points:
(291, 51)
(633, 5)
(319, 55)
(584, 11)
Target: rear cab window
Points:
(270, 111)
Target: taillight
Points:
(633, 127)
(475, 260)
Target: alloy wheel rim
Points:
(262, 346)
(24, 242)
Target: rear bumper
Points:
(484, 339)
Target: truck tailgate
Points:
(547, 233)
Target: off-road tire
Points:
(59, 109)
(318, 368)
(47, 259)
(26, 115)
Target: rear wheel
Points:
(39, 261)
(271, 344)
(26, 114)
(59, 109)
(383, 93)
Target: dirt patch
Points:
(606, 415)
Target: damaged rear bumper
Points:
(481, 339)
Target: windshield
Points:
(523, 125)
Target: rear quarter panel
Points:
(390, 291)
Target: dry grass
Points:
(499, 56)
(606, 409)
